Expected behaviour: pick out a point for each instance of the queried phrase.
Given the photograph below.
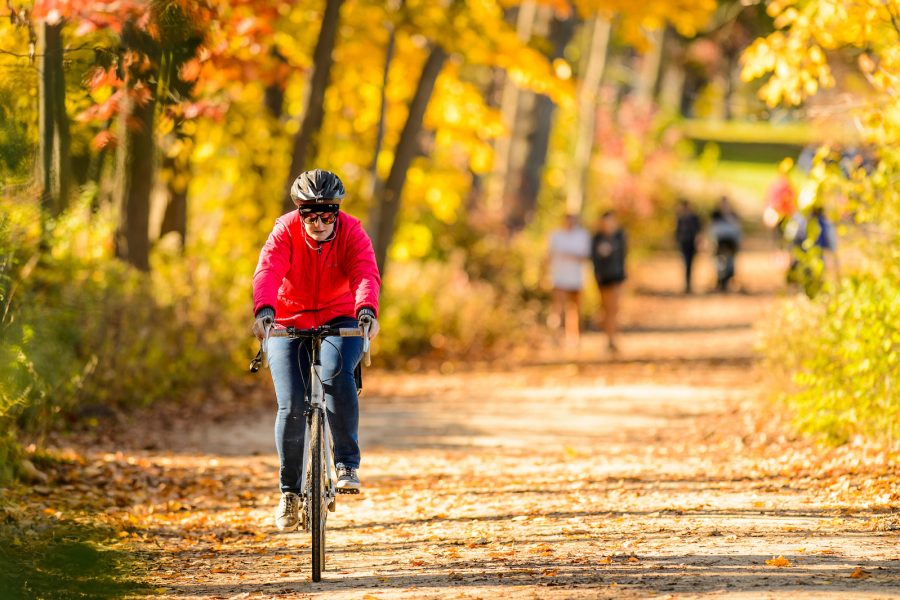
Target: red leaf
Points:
(103, 139)
(191, 70)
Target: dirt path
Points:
(572, 476)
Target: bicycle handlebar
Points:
(320, 332)
(312, 333)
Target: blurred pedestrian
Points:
(725, 231)
(608, 250)
(687, 235)
(569, 249)
(781, 201)
(813, 249)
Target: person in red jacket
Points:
(317, 267)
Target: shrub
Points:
(436, 310)
(841, 350)
(844, 359)
(82, 332)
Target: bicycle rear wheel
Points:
(318, 509)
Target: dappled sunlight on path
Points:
(574, 474)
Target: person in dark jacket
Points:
(608, 250)
(687, 235)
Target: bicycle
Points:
(318, 491)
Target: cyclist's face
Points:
(319, 221)
(318, 230)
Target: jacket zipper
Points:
(318, 278)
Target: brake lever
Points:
(367, 357)
(264, 348)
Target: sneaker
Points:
(347, 479)
(287, 515)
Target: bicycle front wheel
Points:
(318, 509)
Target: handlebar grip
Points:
(350, 332)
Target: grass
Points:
(761, 132)
(45, 558)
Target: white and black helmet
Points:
(317, 187)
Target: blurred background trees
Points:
(146, 146)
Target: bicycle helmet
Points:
(317, 187)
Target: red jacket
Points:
(308, 283)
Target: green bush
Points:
(82, 333)
(844, 356)
(840, 351)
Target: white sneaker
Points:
(286, 517)
(347, 479)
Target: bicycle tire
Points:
(318, 511)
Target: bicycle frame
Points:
(316, 401)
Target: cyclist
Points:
(316, 268)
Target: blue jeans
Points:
(289, 363)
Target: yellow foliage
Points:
(794, 59)
(411, 241)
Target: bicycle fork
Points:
(317, 403)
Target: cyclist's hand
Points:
(265, 319)
(367, 317)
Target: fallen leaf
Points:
(781, 561)
(859, 573)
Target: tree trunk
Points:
(306, 143)
(672, 73)
(731, 65)
(384, 212)
(524, 198)
(648, 75)
(175, 216)
(54, 167)
(497, 188)
(594, 65)
(134, 181)
(379, 132)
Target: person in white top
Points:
(569, 249)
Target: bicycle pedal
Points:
(347, 491)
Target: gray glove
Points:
(366, 316)
(265, 318)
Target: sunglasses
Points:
(327, 218)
